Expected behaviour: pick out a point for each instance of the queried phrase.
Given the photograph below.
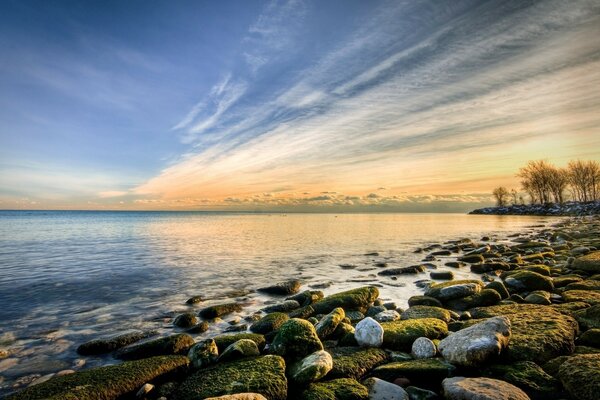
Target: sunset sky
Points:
(290, 105)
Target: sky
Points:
(296, 105)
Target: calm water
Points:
(67, 277)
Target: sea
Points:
(67, 277)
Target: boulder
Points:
(417, 312)
(589, 263)
(423, 348)
(169, 345)
(400, 335)
(269, 323)
(588, 318)
(590, 338)
(296, 339)
(472, 346)
(354, 299)
(424, 301)
(283, 288)
(527, 376)
(355, 362)
(327, 325)
(580, 375)
(382, 390)
(337, 389)
(529, 281)
(460, 388)
(369, 333)
(311, 368)
(286, 306)
(219, 310)
(487, 297)
(307, 297)
(240, 349)
(454, 289)
(591, 297)
(203, 354)
(427, 372)
(112, 343)
(185, 320)
(538, 297)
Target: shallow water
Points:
(67, 277)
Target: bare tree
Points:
(535, 180)
(513, 195)
(584, 178)
(501, 195)
(557, 182)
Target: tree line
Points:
(545, 183)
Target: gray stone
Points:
(312, 367)
(386, 316)
(382, 390)
(369, 333)
(423, 348)
(203, 353)
(460, 388)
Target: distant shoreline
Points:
(567, 209)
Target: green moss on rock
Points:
(327, 325)
(418, 312)
(487, 297)
(296, 339)
(426, 372)
(424, 301)
(580, 375)
(170, 345)
(454, 289)
(498, 287)
(354, 362)
(589, 263)
(587, 296)
(269, 323)
(528, 281)
(106, 345)
(590, 338)
(354, 299)
(588, 318)
(264, 375)
(400, 335)
(219, 310)
(528, 376)
(225, 340)
(337, 389)
(105, 383)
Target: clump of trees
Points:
(546, 183)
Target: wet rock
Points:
(472, 258)
(442, 275)
(417, 312)
(588, 296)
(327, 325)
(487, 297)
(286, 306)
(302, 312)
(426, 372)
(225, 340)
(194, 300)
(354, 316)
(590, 338)
(424, 301)
(538, 297)
(454, 289)
(264, 375)
(296, 339)
(415, 393)
(144, 391)
(527, 376)
(282, 288)
(203, 354)
(423, 348)
(311, 368)
(198, 328)
(354, 299)
(382, 390)
(580, 375)
(186, 320)
(374, 310)
(109, 382)
(307, 297)
(337, 389)
(400, 335)
(387, 316)
(460, 388)
(107, 345)
(369, 333)
(219, 310)
(529, 281)
(355, 362)
(170, 345)
(588, 318)
(413, 269)
(472, 346)
(269, 323)
(240, 349)
(589, 263)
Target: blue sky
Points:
(399, 105)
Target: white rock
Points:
(382, 390)
(144, 391)
(423, 348)
(387, 316)
(312, 367)
(474, 345)
(460, 388)
(369, 333)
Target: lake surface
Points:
(68, 277)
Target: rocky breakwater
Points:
(529, 328)
(569, 208)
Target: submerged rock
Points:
(283, 288)
(311, 368)
(269, 323)
(170, 345)
(296, 339)
(400, 335)
(106, 345)
(460, 388)
(354, 299)
(580, 375)
(219, 310)
(369, 333)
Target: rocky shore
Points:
(569, 208)
(529, 328)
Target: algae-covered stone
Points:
(460, 388)
(225, 340)
(327, 325)
(538, 297)
(185, 320)
(104, 383)
(498, 287)
(588, 318)
(269, 323)
(580, 375)
(286, 306)
(528, 376)
(283, 288)
(203, 353)
(528, 281)
(354, 299)
(219, 310)
(307, 297)
(337, 389)
(589, 263)
(590, 338)
(487, 297)
(418, 312)
(170, 345)
(106, 345)
(426, 372)
(454, 289)
(353, 362)
(240, 349)
(263, 375)
(588, 296)
(311, 368)
(589, 284)
(424, 301)
(400, 335)
(302, 312)
(296, 339)
(415, 393)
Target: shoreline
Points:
(540, 260)
(567, 209)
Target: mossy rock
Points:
(337, 389)
(487, 297)
(328, 324)
(589, 284)
(528, 376)
(282, 288)
(569, 308)
(296, 339)
(587, 296)
(580, 375)
(564, 280)
(225, 340)
(354, 362)
(219, 310)
(169, 345)
(588, 318)
(418, 312)
(269, 323)
(264, 375)
(185, 320)
(472, 258)
(589, 263)
(423, 373)
(302, 312)
(240, 349)
(286, 306)
(307, 297)
(529, 281)
(590, 338)
(538, 297)
(551, 367)
(585, 350)
(539, 268)
(400, 335)
(424, 301)
(454, 289)
(498, 287)
(354, 299)
(109, 344)
(342, 330)
(105, 383)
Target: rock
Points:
(580, 375)
(286, 306)
(355, 362)
(327, 325)
(415, 393)
(337, 389)
(387, 316)
(441, 275)
(368, 333)
(219, 310)
(413, 269)
(487, 297)
(590, 338)
(307, 297)
(400, 335)
(269, 323)
(186, 320)
(302, 312)
(354, 299)
(264, 375)
(527, 376)
(472, 258)
(454, 289)
(382, 390)
(460, 388)
(296, 339)
(144, 391)
(374, 310)
(589, 284)
(417, 312)
(498, 287)
(203, 354)
(529, 281)
(4, 354)
(311, 368)
(538, 297)
(588, 296)
(423, 348)
(239, 396)
(589, 263)
(342, 330)
(198, 328)
(588, 318)
(283, 288)
(240, 349)
(427, 372)
(107, 345)
(225, 340)
(194, 300)
(472, 346)
(424, 301)
(354, 316)
(170, 345)
(109, 382)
